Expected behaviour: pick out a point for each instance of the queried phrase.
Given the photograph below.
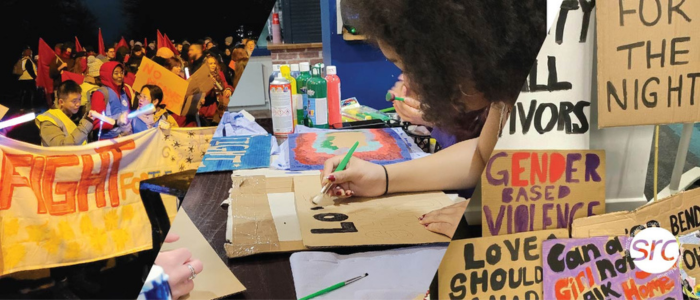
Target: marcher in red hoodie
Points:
(114, 98)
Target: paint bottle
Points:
(281, 106)
(295, 70)
(334, 116)
(296, 98)
(322, 66)
(318, 101)
(273, 75)
(302, 80)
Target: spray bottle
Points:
(296, 98)
(334, 116)
(281, 106)
(302, 81)
(318, 101)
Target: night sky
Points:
(108, 14)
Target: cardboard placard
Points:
(691, 260)
(535, 190)
(174, 88)
(216, 280)
(597, 268)
(648, 62)
(679, 214)
(388, 220)
(200, 82)
(236, 152)
(3, 111)
(482, 268)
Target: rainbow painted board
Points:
(308, 151)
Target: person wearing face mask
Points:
(135, 59)
(114, 98)
(55, 125)
(151, 94)
(215, 103)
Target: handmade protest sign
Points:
(553, 108)
(236, 152)
(598, 268)
(535, 190)
(679, 214)
(173, 86)
(76, 204)
(648, 62)
(690, 257)
(499, 267)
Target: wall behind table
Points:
(363, 70)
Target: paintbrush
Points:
(323, 195)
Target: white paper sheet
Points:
(284, 214)
(393, 274)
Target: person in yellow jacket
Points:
(55, 125)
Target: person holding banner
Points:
(476, 65)
(114, 98)
(152, 94)
(55, 125)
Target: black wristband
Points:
(386, 176)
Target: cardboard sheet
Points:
(691, 260)
(216, 280)
(648, 62)
(679, 214)
(581, 269)
(236, 152)
(538, 190)
(469, 266)
(389, 220)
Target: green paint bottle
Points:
(318, 101)
(302, 81)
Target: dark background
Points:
(23, 22)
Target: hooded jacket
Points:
(119, 99)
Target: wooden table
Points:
(265, 276)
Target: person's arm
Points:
(98, 104)
(52, 135)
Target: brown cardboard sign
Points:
(173, 86)
(216, 280)
(648, 62)
(388, 220)
(495, 267)
(3, 111)
(691, 260)
(538, 190)
(679, 214)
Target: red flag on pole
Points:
(78, 48)
(159, 42)
(72, 76)
(169, 44)
(122, 43)
(46, 56)
(145, 45)
(101, 43)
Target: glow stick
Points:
(18, 120)
(187, 73)
(143, 110)
(99, 116)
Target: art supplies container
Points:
(351, 110)
(281, 106)
(334, 116)
(302, 80)
(318, 99)
(285, 70)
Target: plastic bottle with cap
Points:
(295, 70)
(318, 99)
(296, 98)
(273, 75)
(333, 81)
(302, 80)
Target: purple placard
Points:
(597, 268)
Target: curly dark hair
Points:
(454, 48)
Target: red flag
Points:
(78, 48)
(72, 76)
(159, 42)
(46, 56)
(169, 44)
(122, 43)
(101, 43)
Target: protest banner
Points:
(535, 190)
(173, 86)
(691, 260)
(648, 62)
(679, 214)
(599, 268)
(499, 267)
(68, 205)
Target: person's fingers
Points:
(412, 103)
(442, 228)
(180, 255)
(445, 215)
(343, 176)
(171, 237)
(329, 167)
(405, 112)
(180, 289)
(196, 264)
